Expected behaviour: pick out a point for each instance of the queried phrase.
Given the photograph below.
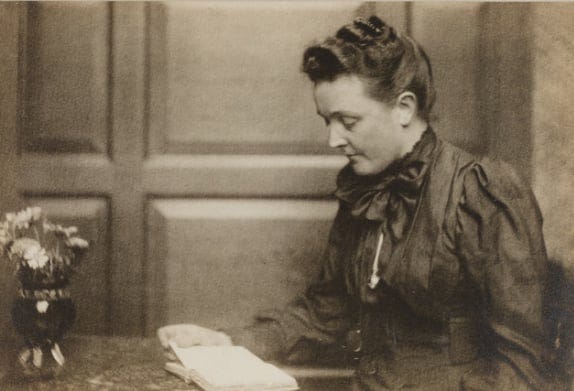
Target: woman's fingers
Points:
(185, 335)
(167, 333)
(200, 336)
(224, 339)
(169, 355)
(164, 336)
(186, 340)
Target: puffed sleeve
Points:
(499, 239)
(317, 318)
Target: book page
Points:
(226, 366)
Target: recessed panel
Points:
(506, 81)
(218, 262)
(89, 286)
(553, 126)
(449, 34)
(225, 76)
(66, 70)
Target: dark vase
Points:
(42, 313)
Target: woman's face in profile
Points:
(366, 130)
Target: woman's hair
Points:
(389, 62)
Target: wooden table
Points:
(115, 363)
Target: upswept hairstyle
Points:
(389, 62)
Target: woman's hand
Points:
(185, 335)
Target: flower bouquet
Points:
(43, 256)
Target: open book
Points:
(229, 368)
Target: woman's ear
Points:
(407, 106)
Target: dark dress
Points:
(433, 278)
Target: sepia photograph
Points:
(286, 195)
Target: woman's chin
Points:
(361, 169)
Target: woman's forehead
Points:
(345, 93)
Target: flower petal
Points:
(42, 306)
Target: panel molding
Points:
(242, 175)
(65, 174)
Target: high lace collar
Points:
(392, 195)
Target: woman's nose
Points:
(336, 139)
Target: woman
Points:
(435, 269)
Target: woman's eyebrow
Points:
(345, 113)
(339, 113)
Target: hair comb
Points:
(368, 27)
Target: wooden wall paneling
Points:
(89, 285)
(10, 27)
(505, 72)
(66, 173)
(225, 260)
(553, 125)
(66, 91)
(242, 175)
(128, 124)
(449, 33)
(156, 261)
(157, 79)
(230, 81)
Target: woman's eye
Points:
(349, 122)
